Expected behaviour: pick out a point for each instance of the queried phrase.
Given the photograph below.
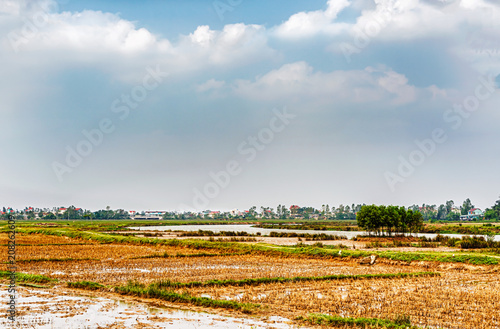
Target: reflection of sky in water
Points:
(48, 311)
(265, 231)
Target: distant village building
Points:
(154, 214)
(150, 214)
(8, 211)
(236, 212)
(473, 214)
(62, 210)
(295, 212)
(211, 214)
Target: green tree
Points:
(50, 216)
(368, 218)
(416, 221)
(279, 211)
(252, 212)
(449, 206)
(441, 213)
(493, 213)
(404, 222)
(453, 216)
(71, 213)
(88, 215)
(393, 219)
(466, 206)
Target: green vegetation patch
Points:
(33, 278)
(444, 257)
(401, 322)
(32, 285)
(259, 281)
(153, 291)
(89, 285)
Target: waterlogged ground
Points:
(462, 296)
(57, 308)
(187, 269)
(264, 231)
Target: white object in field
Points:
(369, 260)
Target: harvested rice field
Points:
(195, 283)
(202, 268)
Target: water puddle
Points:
(265, 231)
(50, 309)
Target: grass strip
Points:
(33, 278)
(259, 281)
(444, 257)
(402, 322)
(32, 285)
(152, 291)
(89, 285)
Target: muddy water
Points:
(55, 308)
(265, 231)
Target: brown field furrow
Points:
(22, 238)
(119, 271)
(439, 301)
(88, 250)
(464, 296)
(101, 251)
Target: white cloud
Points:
(403, 20)
(234, 44)
(396, 84)
(299, 81)
(210, 85)
(88, 32)
(107, 41)
(306, 24)
(203, 36)
(26, 7)
(10, 7)
(112, 43)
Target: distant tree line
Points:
(65, 213)
(389, 219)
(444, 212)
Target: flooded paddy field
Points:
(186, 269)
(456, 299)
(55, 308)
(75, 282)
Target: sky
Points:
(203, 104)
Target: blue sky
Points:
(171, 17)
(179, 105)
